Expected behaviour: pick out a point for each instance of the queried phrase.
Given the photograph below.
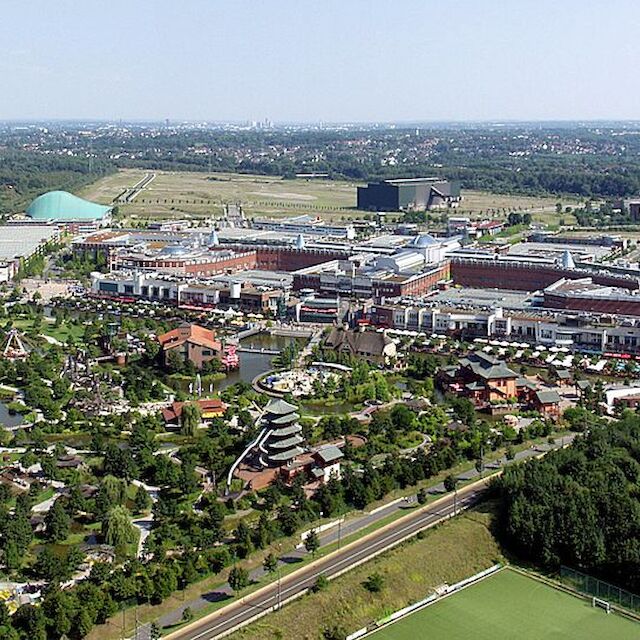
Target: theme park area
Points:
(207, 381)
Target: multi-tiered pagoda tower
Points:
(284, 441)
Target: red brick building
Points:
(585, 295)
(188, 262)
(292, 258)
(332, 279)
(493, 273)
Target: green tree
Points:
(463, 409)
(83, 623)
(13, 558)
(48, 565)
(5, 618)
(334, 632)
(117, 529)
(312, 542)
(190, 419)
(238, 578)
(174, 362)
(321, 584)
(270, 563)
(450, 482)
(154, 631)
(8, 633)
(30, 622)
(374, 583)
(58, 522)
(142, 501)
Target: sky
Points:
(322, 60)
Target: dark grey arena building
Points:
(409, 194)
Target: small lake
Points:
(7, 419)
(253, 364)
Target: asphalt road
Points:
(360, 551)
(266, 598)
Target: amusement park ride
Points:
(230, 359)
(15, 347)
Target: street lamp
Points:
(279, 602)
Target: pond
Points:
(253, 364)
(7, 419)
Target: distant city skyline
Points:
(376, 61)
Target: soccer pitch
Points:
(510, 605)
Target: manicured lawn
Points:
(510, 605)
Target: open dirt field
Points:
(480, 204)
(183, 194)
(193, 194)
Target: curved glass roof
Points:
(60, 205)
(423, 240)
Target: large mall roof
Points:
(60, 205)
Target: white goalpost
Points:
(603, 604)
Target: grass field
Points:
(510, 605)
(543, 208)
(183, 194)
(179, 194)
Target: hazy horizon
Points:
(357, 62)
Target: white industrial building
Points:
(423, 250)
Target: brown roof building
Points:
(547, 403)
(374, 346)
(209, 408)
(483, 379)
(193, 343)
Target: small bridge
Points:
(260, 350)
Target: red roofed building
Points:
(490, 227)
(209, 409)
(193, 343)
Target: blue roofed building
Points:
(72, 211)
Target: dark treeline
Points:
(25, 175)
(580, 506)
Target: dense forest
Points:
(580, 506)
(25, 175)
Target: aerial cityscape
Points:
(365, 365)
